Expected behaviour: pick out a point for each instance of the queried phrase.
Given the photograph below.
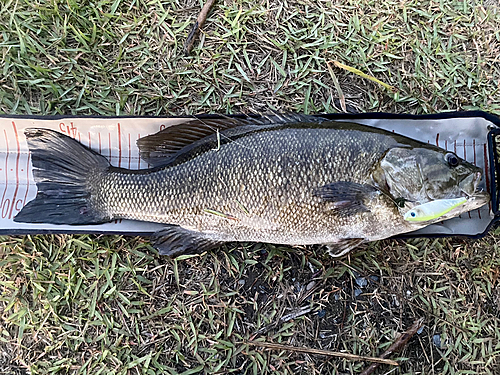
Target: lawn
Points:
(86, 304)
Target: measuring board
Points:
(115, 138)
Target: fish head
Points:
(418, 175)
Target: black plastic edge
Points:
(366, 115)
(494, 167)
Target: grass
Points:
(111, 305)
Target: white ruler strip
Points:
(115, 138)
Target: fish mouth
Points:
(478, 197)
(471, 182)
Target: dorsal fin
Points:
(160, 149)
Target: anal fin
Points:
(343, 247)
(174, 240)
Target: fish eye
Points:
(451, 159)
(413, 214)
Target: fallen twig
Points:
(352, 357)
(202, 17)
(294, 314)
(396, 346)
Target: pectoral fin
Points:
(346, 197)
(174, 240)
(343, 247)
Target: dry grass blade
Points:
(351, 357)
(364, 75)
(337, 87)
(397, 345)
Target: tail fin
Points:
(65, 173)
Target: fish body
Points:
(433, 210)
(293, 180)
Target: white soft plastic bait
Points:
(433, 210)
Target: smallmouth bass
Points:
(284, 179)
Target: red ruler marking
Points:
(6, 170)
(17, 171)
(109, 145)
(99, 134)
(455, 146)
(486, 168)
(486, 172)
(129, 151)
(474, 146)
(437, 139)
(465, 158)
(119, 146)
(27, 178)
(139, 137)
(446, 144)
(90, 141)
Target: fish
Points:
(287, 179)
(434, 209)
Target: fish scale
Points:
(293, 180)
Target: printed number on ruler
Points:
(70, 130)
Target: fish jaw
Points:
(469, 185)
(475, 198)
(475, 201)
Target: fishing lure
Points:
(433, 210)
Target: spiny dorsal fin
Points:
(158, 149)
